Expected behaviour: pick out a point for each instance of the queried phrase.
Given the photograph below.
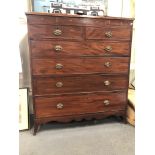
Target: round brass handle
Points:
(60, 106)
(108, 34)
(59, 84)
(58, 48)
(57, 32)
(58, 66)
(107, 64)
(107, 83)
(108, 48)
(106, 102)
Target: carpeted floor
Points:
(104, 137)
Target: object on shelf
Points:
(82, 7)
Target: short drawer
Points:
(57, 32)
(46, 49)
(80, 65)
(60, 105)
(73, 84)
(122, 33)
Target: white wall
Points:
(119, 8)
(24, 6)
(25, 78)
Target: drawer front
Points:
(46, 49)
(55, 20)
(79, 104)
(80, 66)
(108, 33)
(57, 32)
(86, 83)
(47, 20)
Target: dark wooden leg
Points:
(124, 119)
(35, 128)
(119, 118)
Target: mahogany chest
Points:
(79, 66)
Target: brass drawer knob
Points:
(107, 83)
(108, 48)
(58, 66)
(106, 102)
(60, 106)
(58, 48)
(57, 32)
(107, 64)
(59, 84)
(108, 34)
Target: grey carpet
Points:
(84, 138)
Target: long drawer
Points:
(85, 83)
(60, 105)
(70, 20)
(56, 32)
(80, 65)
(46, 49)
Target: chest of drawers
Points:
(79, 66)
